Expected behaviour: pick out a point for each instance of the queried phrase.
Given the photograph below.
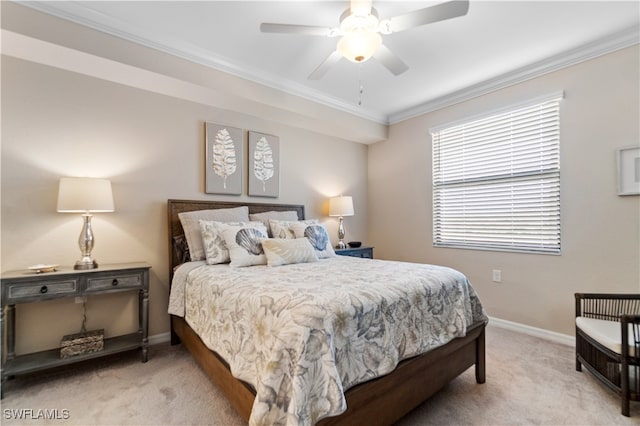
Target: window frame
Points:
(549, 240)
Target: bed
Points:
(381, 399)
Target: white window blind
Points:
(496, 181)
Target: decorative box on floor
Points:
(82, 343)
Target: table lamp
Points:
(341, 206)
(86, 196)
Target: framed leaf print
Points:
(264, 165)
(224, 159)
(628, 160)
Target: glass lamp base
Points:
(82, 264)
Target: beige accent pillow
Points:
(215, 247)
(289, 215)
(280, 251)
(191, 225)
(245, 244)
(318, 237)
(283, 228)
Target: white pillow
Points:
(289, 215)
(245, 244)
(215, 247)
(191, 225)
(280, 251)
(283, 229)
(318, 237)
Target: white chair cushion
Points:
(607, 333)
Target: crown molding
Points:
(83, 15)
(603, 46)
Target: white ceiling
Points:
(495, 44)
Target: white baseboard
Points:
(533, 331)
(157, 339)
(564, 339)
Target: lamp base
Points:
(82, 264)
(341, 244)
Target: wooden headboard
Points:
(179, 206)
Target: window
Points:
(496, 181)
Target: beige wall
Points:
(94, 105)
(42, 38)
(60, 123)
(600, 230)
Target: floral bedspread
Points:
(302, 334)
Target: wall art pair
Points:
(224, 164)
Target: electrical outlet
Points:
(78, 300)
(497, 276)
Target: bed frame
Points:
(380, 401)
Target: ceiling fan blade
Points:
(297, 29)
(436, 13)
(322, 69)
(390, 60)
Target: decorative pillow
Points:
(281, 251)
(191, 225)
(245, 244)
(215, 247)
(283, 228)
(318, 237)
(264, 217)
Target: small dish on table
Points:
(41, 268)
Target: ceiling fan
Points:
(360, 32)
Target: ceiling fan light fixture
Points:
(355, 22)
(358, 46)
(360, 7)
(360, 30)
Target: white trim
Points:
(81, 14)
(563, 339)
(161, 338)
(620, 40)
(523, 104)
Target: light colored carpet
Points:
(530, 381)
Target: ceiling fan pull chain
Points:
(361, 86)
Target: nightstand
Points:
(366, 252)
(28, 287)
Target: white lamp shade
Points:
(78, 195)
(341, 206)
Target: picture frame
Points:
(264, 165)
(224, 159)
(628, 161)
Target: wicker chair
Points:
(611, 352)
